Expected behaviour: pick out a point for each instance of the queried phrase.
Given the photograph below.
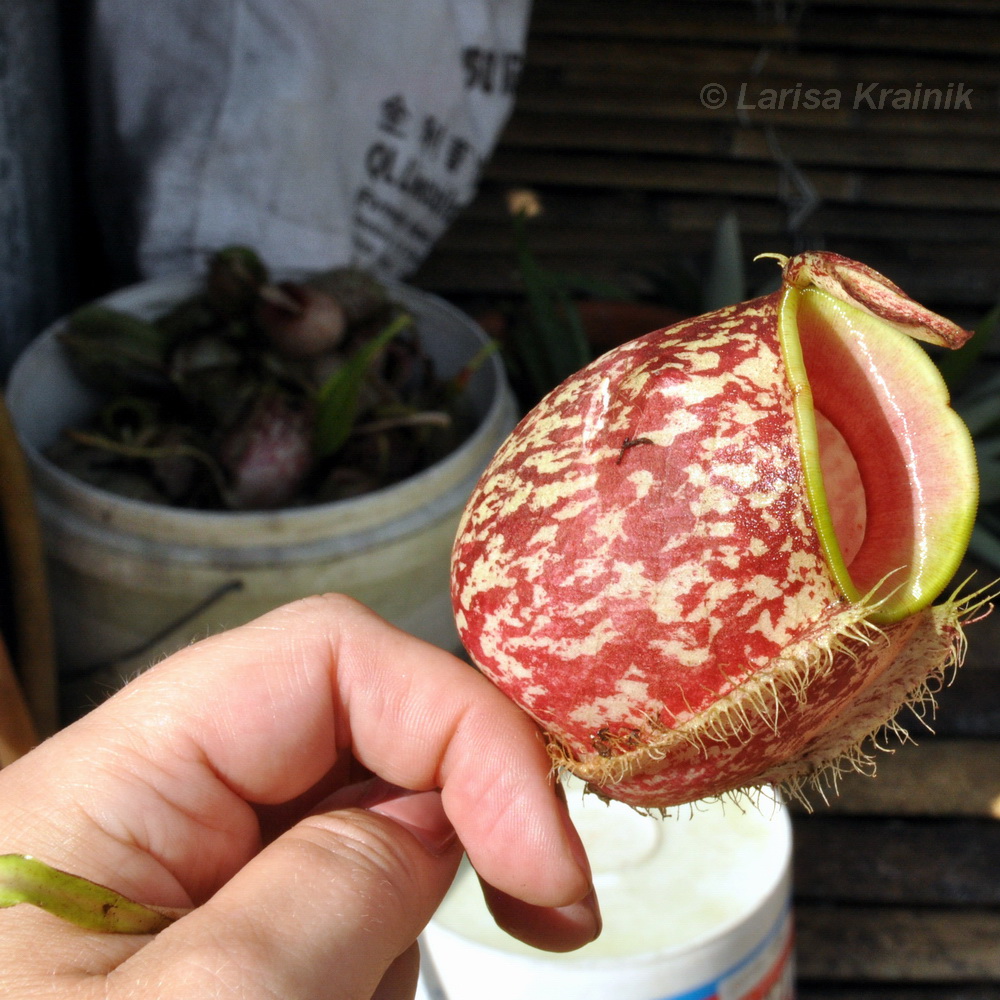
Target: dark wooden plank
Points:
(676, 103)
(609, 106)
(574, 57)
(936, 67)
(511, 165)
(983, 6)
(867, 150)
(935, 776)
(897, 945)
(934, 31)
(596, 132)
(948, 28)
(945, 95)
(762, 216)
(902, 862)
(675, 100)
(935, 25)
(550, 239)
(574, 60)
(613, 218)
(955, 275)
(582, 65)
(609, 218)
(458, 272)
(807, 990)
(607, 210)
(600, 133)
(928, 190)
(970, 706)
(731, 22)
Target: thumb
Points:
(323, 911)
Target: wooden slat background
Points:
(897, 879)
(635, 172)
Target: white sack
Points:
(319, 132)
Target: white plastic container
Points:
(125, 576)
(696, 906)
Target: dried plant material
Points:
(254, 394)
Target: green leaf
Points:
(554, 345)
(457, 383)
(25, 879)
(338, 398)
(594, 288)
(114, 350)
(726, 283)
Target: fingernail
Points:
(585, 916)
(559, 928)
(422, 814)
(593, 907)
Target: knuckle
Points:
(365, 852)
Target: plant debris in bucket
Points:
(254, 394)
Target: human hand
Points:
(307, 783)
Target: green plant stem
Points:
(425, 418)
(24, 879)
(457, 383)
(153, 452)
(555, 346)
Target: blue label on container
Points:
(766, 973)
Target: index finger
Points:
(269, 708)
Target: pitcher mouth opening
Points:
(890, 468)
